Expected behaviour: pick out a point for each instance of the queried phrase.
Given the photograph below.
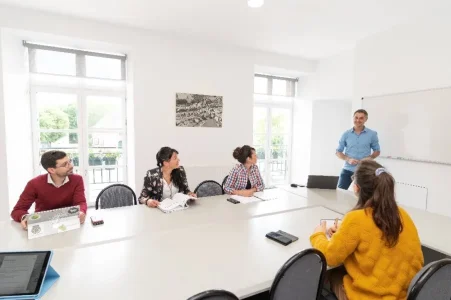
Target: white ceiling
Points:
(306, 28)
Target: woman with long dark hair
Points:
(168, 179)
(377, 242)
(244, 179)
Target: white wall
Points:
(159, 67)
(4, 204)
(333, 78)
(330, 119)
(17, 115)
(302, 137)
(330, 89)
(409, 57)
(173, 66)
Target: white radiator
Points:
(411, 195)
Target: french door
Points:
(89, 125)
(272, 142)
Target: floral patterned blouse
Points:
(153, 185)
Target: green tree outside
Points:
(53, 118)
(277, 139)
(71, 112)
(65, 117)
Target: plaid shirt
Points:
(238, 177)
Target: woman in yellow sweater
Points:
(377, 242)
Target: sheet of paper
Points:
(245, 200)
(266, 195)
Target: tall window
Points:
(273, 100)
(78, 106)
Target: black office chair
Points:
(214, 295)
(115, 195)
(433, 281)
(208, 188)
(302, 276)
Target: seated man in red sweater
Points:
(56, 189)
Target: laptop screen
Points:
(21, 273)
(322, 182)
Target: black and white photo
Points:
(195, 110)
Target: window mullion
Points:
(35, 131)
(123, 70)
(268, 145)
(289, 88)
(82, 139)
(269, 91)
(32, 60)
(80, 62)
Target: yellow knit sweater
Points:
(375, 271)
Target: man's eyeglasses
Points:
(66, 164)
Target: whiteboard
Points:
(412, 126)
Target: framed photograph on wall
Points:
(196, 110)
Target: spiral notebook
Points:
(53, 221)
(178, 202)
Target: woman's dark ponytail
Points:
(377, 191)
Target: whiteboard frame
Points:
(403, 93)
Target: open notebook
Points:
(178, 202)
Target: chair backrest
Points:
(301, 277)
(224, 181)
(115, 195)
(208, 188)
(433, 281)
(214, 295)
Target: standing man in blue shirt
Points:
(358, 142)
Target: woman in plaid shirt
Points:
(244, 179)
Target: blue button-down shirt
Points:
(358, 146)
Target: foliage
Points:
(277, 139)
(53, 118)
(71, 111)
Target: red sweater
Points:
(47, 196)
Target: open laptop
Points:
(322, 182)
(25, 275)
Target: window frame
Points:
(291, 88)
(80, 60)
(83, 87)
(270, 102)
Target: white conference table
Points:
(235, 256)
(127, 222)
(213, 244)
(429, 225)
(339, 200)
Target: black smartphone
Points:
(95, 220)
(278, 238)
(293, 238)
(233, 200)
